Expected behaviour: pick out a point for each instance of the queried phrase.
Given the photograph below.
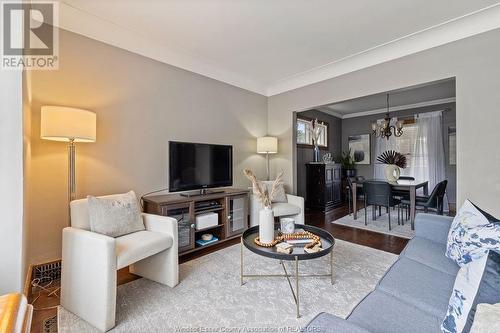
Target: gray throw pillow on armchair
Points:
(115, 216)
(280, 192)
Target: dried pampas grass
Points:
(260, 191)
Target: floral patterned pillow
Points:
(477, 282)
(472, 234)
(463, 294)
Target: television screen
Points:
(198, 165)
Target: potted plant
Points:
(394, 161)
(348, 162)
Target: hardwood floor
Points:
(375, 240)
(372, 239)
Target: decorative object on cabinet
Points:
(316, 132)
(327, 158)
(323, 186)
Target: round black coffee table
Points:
(298, 254)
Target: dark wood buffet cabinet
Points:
(231, 206)
(323, 186)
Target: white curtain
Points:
(428, 160)
(423, 145)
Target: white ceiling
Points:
(270, 46)
(427, 94)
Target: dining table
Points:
(411, 186)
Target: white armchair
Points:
(293, 208)
(90, 261)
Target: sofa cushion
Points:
(431, 254)
(285, 209)
(139, 245)
(419, 285)
(433, 227)
(328, 323)
(382, 313)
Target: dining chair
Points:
(402, 193)
(379, 193)
(359, 192)
(434, 201)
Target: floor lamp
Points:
(68, 125)
(267, 145)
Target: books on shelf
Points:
(202, 242)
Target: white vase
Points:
(266, 225)
(392, 172)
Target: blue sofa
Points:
(412, 296)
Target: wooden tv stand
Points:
(230, 204)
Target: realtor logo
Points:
(30, 38)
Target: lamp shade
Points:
(60, 123)
(267, 144)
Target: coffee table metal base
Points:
(295, 293)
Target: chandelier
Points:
(384, 129)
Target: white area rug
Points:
(210, 296)
(380, 225)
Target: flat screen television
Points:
(194, 166)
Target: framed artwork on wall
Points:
(359, 145)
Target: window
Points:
(408, 146)
(304, 132)
(405, 145)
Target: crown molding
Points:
(468, 25)
(331, 112)
(100, 29)
(399, 108)
(84, 23)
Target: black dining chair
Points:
(402, 193)
(433, 201)
(378, 193)
(359, 192)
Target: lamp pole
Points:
(71, 170)
(267, 166)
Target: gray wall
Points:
(472, 61)
(141, 104)
(361, 125)
(305, 155)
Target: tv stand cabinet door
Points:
(183, 213)
(236, 214)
